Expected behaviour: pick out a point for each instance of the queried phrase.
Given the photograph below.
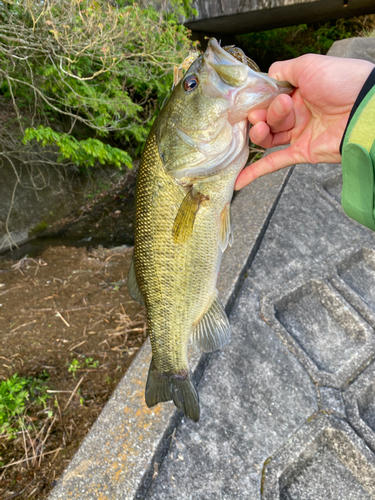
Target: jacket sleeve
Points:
(358, 158)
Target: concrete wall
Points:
(41, 195)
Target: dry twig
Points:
(74, 391)
(27, 459)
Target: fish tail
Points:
(158, 387)
(185, 397)
(180, 389)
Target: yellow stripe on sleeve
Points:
(363, 132)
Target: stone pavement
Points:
(288, 407)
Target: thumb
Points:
(292, 69)
(282, 70)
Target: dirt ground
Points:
(67, 304)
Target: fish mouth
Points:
(242, 84)
(219, 58)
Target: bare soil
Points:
(66, 304)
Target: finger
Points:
(257, 115)
(266, 165)
(280, 139)
(283, 71)
(261, 135)
(280, 114)
(291, 69)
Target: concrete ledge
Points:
(122, 451)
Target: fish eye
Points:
(190, 83)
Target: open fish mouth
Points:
(241, 81)
(234, 67)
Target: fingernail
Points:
(279, 107)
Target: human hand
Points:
(313, 119)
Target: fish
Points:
(196, 148)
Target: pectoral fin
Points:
(213, 330)
(225, 231)
(133, 288)
(185, 218)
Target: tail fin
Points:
(160, 388)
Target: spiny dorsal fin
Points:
(225, 230)
(133, 288)
(213, 330)
(185, 218)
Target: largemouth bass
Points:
(196, 148)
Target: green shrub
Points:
(87, 76)
(265, 47)
(17, 396)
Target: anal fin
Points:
(133, 288)
(225, 230)
(185, 218)
(213, 330)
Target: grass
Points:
(75, 365)
(17, 396)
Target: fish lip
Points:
(221, 54)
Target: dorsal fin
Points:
(185, 218)
(212, 332)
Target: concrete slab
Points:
(325, 460)
(325, 333)
(352, 273)
(118, 457)
(360, 405)
(356, 48)
(245, 16)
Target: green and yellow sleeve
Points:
(358, 158)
